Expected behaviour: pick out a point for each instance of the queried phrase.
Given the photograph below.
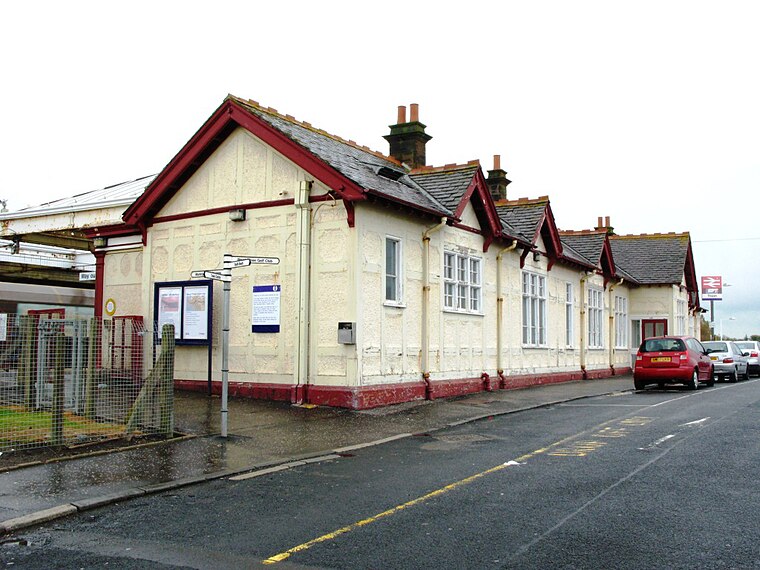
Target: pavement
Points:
(262, 437)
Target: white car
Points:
(729, 362)
(753, 347)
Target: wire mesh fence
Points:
(70, 381)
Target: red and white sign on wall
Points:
(712, 287)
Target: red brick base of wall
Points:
(366, 397)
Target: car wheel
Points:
(734, 376)
(661, 385)
(694, 384)
(711, 379)
(746, 374)
(638, 384)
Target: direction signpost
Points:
(224, 275)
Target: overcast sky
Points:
(647, 112)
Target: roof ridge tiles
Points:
(653, 235)
(583, 232)
(445, 167)
(522, 200)
(309, 126)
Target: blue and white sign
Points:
(266, 309)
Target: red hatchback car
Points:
(672, 360)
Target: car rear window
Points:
(663, 345)
(716, 346)
(750, 345)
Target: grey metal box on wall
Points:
(346, 333)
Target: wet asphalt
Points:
(261, 434)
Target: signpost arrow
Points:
(219, 275)
(232, 261)
(237, 263)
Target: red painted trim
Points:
(366, 397)
(523, 255)
(526, 380)
(551, 233)
(256, 391)
(478, 194)
(466, 228)
(362, 398)
(286, 146)
(222, 210)
(100, 257)
(606, 261)
(115, 230)
(466, 197)
(350, 213)
(212, 133)
(188, 159)
(450, 388)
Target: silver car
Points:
(729, 362)
(753, 347)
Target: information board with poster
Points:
(266, 309)
(187, 306)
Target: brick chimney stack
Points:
(407, 139)
(605, 225)
(497, 180)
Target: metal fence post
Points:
(59, 342)
(89, 385)
(25, 362)
(166, 394)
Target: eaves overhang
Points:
(228, 117)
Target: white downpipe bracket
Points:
(583, 330)
(303, 272)
(500, 308)
(612, 323)
(425, 349)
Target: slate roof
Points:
(652, 259)
(359, 164)
(447, 184)
(522, 218)
(588, 244)
(569, 253)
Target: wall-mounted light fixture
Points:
(237, 215)
(100, 242)
(536, 255)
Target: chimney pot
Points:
(599, 222)
(414, 113)
(607, 221)
(497, 180)
(407, 140)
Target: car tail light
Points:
(639, 357)
(683, 356)
(728, 360)
(753, 354)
